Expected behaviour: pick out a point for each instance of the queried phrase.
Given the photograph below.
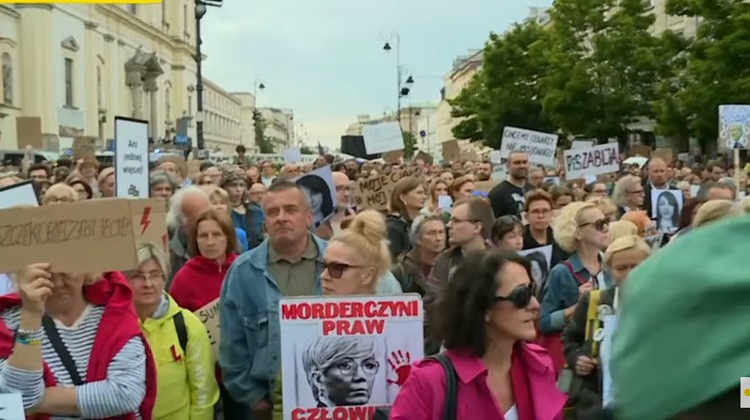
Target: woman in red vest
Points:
(72, 346)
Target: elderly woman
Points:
(185, 361)
(71, 345)
(582, 230)
(59, 194)
(628, 194)
(487, 325)
(83, 189)
(162, 184)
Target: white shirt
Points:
(512, 413)
(6, 285)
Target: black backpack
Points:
(451, 391)
(182, 332)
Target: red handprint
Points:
(401, 364)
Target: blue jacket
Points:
(250, 342)
(561, 292)
(252, 223)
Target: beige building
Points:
(222, 118)
(78, 66)
(247, 124)
(683, 25)
(355, 129)
(464, 69)
(279, 127)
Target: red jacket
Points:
(118, 325)
(199, 282)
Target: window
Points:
(99, 87)
(168, 104)
(69, 82)
(132, 8)
(185, 20)
(7, 79)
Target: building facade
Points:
(78, 66)
(247, 124)
(682, 25)
(464, 69)
(279, 127)
(222, 119)
(427, 123)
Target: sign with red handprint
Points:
(344, 357)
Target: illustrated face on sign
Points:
(341, 369)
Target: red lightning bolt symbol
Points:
(145, 219)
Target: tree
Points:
(716, 70)
(264, 144)
(506, 92)
(307, 150)
(603, 66)
(409, 144)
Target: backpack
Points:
(182, 332)
(451, 391)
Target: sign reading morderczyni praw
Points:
(131, 158)
(209, 316)
(90, 236)
(343, 357)
(541, 147)
(597, 160)
(383, 137)
(374, 192)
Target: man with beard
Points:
(507, 198)
(484, 171)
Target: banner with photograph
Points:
(343, 357)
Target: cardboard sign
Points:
(209, 316)
(393, 157)
(451, 150)
(29, 132)
(84, 148)
(426, 157)
(374, 192)
(152, 212)
(597, 160)
(485, 186)
(85, 237)
(325, 338)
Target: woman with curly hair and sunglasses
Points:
(486, 325)
(582, 230)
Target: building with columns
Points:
(222, 114)
(247, 124)
(463, 70)
(78, 66)
(279, 127)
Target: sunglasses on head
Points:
(336, 270)
(599, 225)
(520, 296)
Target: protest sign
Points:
(293, 155)
(581, 144)
(605, 352)
(541, 147)
(20, 194)
(383, 137)
(485, 186)
(209, 316)
(597, 160)
(374, 192)
(131, 158)
(540, 259)
(451, 151)
(85, 148)
(85, 237)
(666, 209)
(734, 127)
(343, 357)
(29, 132)
(321, 190)
(426, 157)
(151, 213)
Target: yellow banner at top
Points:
(79, 1)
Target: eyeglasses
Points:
(599, 225)
(540, 212)
(336, 270)
(520, 296)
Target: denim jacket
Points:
(250, 342)
(561, 291)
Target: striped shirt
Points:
(123, 390)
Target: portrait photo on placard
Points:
(321, 192)
(666, 206)
(540, 260)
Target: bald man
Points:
(658, 181)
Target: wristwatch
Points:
(29, 337)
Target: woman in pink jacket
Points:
(487, 315)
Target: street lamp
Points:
(402, 88)
(200, 11)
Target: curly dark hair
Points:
(467, 297)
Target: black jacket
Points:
(397, 229)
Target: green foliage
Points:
(265, 145)
(713, 72)
(410, 143)
(506, 91)
(307, 150)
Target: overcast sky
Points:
(324, 58)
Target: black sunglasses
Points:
(336, 270)
(520, 296)
(598, 224)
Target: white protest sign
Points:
(11, 407)
(582, 144)
(383, 137)
(597, 160)
(20, 194)
(605, 352)
(540, 259)
(541, 147)
(131, 158)
(321, 190)
(326, 340)
(496, 157)
(293, 155)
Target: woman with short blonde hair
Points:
(712, 211)
(628, 194)
(59, 194)
(621, 228)
(607, 205)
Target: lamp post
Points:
(402, 89)
(200, 11)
